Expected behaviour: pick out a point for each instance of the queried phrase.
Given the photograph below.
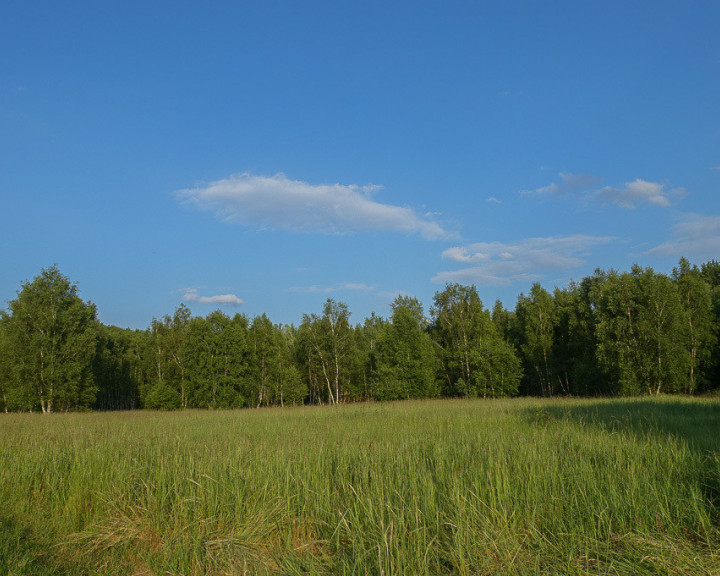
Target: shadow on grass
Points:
(693, 421)
(696, 422)
(22, 553)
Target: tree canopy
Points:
(49, 339)
(618, 333)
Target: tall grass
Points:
(444, 487)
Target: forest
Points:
(613, 333)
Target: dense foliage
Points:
(630, 333)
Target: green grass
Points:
(444, 487)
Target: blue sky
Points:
(264, 156)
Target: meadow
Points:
(466, 487)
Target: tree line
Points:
(613, 333)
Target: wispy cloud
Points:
(341, 287)
(639, 191)
(694, 236)
(191, 295)
(280, 203)
(569, 183)
(630, 195)
(493, 200)
(501, 264)
(715, 168)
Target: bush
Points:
(163, 397)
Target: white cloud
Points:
(463, 254)
(628, 196)
(493, 200)
(639, 191)
(277, 202)
(695, 236)
(553, 189)
(568, 183)
(191, 295)
(341, 287)
(578, 181)
(498, 263)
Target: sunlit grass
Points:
(444, 487)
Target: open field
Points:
(439, 487)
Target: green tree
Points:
(168, 339)
(329, 352)
(367, 337)
(7, 384)
(502, 319)
(405, 357)
(476, 360)
(640, 331)
(497, 370)
(215, 357)
(50, 337)
(264, 358)
(535, 316)
(710, 272)
(696, 297)
(458, 320)
(574, 344)
(161, 396)
(274, 377)
(291, 388)
(115, 375)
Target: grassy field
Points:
(518, 486)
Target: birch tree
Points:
(216, 360)
(696, 297)
(329, 349)
(51, 336)
(458, 320)
(367, 337)
(640, 332)
(535, 316)
(476, 360)
(274, 379)
(406, 361)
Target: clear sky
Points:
(264, 156)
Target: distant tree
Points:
(273, 376)
(502, 320)
(113, 369)
(50, 336)
(405, 357)
(413, 307)
(161, 396)
(215, 357)
(367, 337)
(475, 359)
(700, 338)
(7, 383)
(566, 302)
(329, 351)
(497, 370)
(168, 336)
(640, 331)
(265, 358)
(710, 272)
(140, 354)
(535, 316)
(458, 320)
(291, 387)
